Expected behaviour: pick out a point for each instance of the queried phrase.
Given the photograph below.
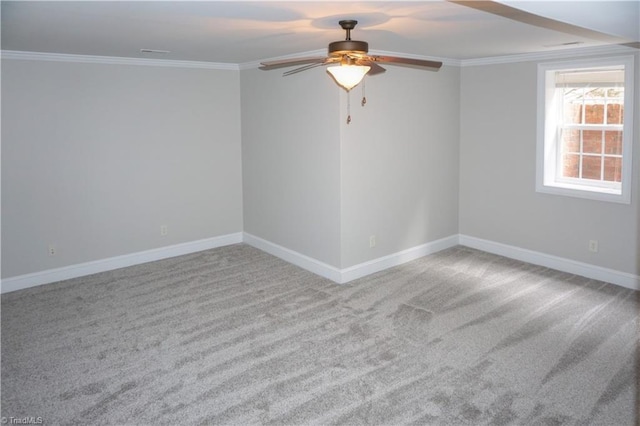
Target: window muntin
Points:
(584, 133)
(590, 132)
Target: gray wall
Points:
(96, 157)
(399, 162)
(291, 161)
(498, 201)
(321, 187)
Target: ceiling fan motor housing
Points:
(343, 47)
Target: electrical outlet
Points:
(164, 230)
(593, 246)
(52, 250)
(372, 241)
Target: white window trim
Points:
(546, 154)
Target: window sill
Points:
(583, 191)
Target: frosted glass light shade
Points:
(348, 76)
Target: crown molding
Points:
(551, 55)
(114, 60)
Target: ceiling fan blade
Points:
(375, 68)
(304, 68)
(269, 65)
(407, 61)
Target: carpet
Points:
(235, 336)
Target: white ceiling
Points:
(243, 31)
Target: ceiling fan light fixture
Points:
(348, 76)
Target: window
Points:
(585, 118)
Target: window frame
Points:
(548, 146)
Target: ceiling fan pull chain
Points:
(364, 98)
(348, 106)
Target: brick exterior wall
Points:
(592, 143)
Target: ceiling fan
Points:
(351, 59)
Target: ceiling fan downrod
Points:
(348, 25)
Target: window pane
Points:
(571, 140)
(616, 92)
(571, 165)
(592, 141)
(594, 114)
(613, 142)
(591, 167)
(572, 113)
(613, 169)
(614, 114)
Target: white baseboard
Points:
(342, 276)
(52, 275)
(612, 276)
(298, 259)
(337, 275)
(395, 259)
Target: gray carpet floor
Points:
(236, 336)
